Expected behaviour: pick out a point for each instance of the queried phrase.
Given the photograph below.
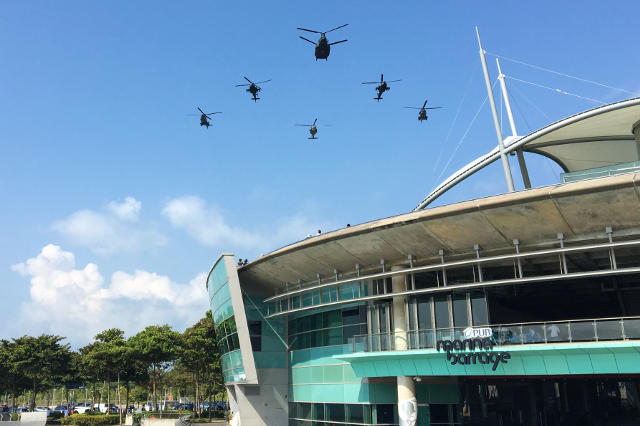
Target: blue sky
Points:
(117, 201)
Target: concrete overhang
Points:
(580, 210)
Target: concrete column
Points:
(407, 402)
(398, 284)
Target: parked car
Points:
(82, 407)
(113, 408)
(62, 409)
(22, 409)
(42, 409)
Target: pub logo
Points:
(475, 348)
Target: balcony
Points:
(535, 333)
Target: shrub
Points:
(91, 419)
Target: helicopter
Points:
(204, 117)
(253, 88)
(323, 47)
(312, 128)
(383, 87)
(422, 115)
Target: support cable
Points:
(455, 119)
(562, 92)
(444, 169)
(266, 320)
(584, 80)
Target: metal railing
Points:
(572, 331)
(478, 263)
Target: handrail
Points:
(440, 266)
(565, 332)
(452, 287)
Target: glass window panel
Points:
(632, 328)
(350, 331)
(609, 330)
(349, 291)
(329, 294)
(442, 311)
(383, 311)
(424, 314)
(295, 302)
(335, 412)
(304, 410)
(479, 310)
(335, 336)
(356, 413)
(460, 313)
(318, 411)
(582, 331)
(385, 413)
(350, 316)
(334, 319)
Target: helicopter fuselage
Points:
(313, 130)
(322, 48)
(204, 121)
(381, 89)
(422, 115)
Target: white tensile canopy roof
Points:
(598, 137)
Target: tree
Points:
(199, 352)
(156, 347)
(42, 360)
(106, 356)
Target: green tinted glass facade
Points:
(223, 317)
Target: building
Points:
(516, 309)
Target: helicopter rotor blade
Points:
(260, 82)
(424, 104)
(211, 113)
(315, 121)
(381, 78)
(433, 108)
(333, 29)
(336, 42)
(247, 79)
(201, 110)
(304, 125)
(311, 31)
(242, 85)
(371, 82)
(312, 42)
(393, 81)
(412, 107)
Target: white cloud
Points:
(127, 210)
(77, 303)
(206, 224)
(110, 231)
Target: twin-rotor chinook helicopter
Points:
(253, 88)
(323, 47)
(382, 87)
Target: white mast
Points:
(514, 133)
(496, 122)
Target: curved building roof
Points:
(579, 210)
(598, 137)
